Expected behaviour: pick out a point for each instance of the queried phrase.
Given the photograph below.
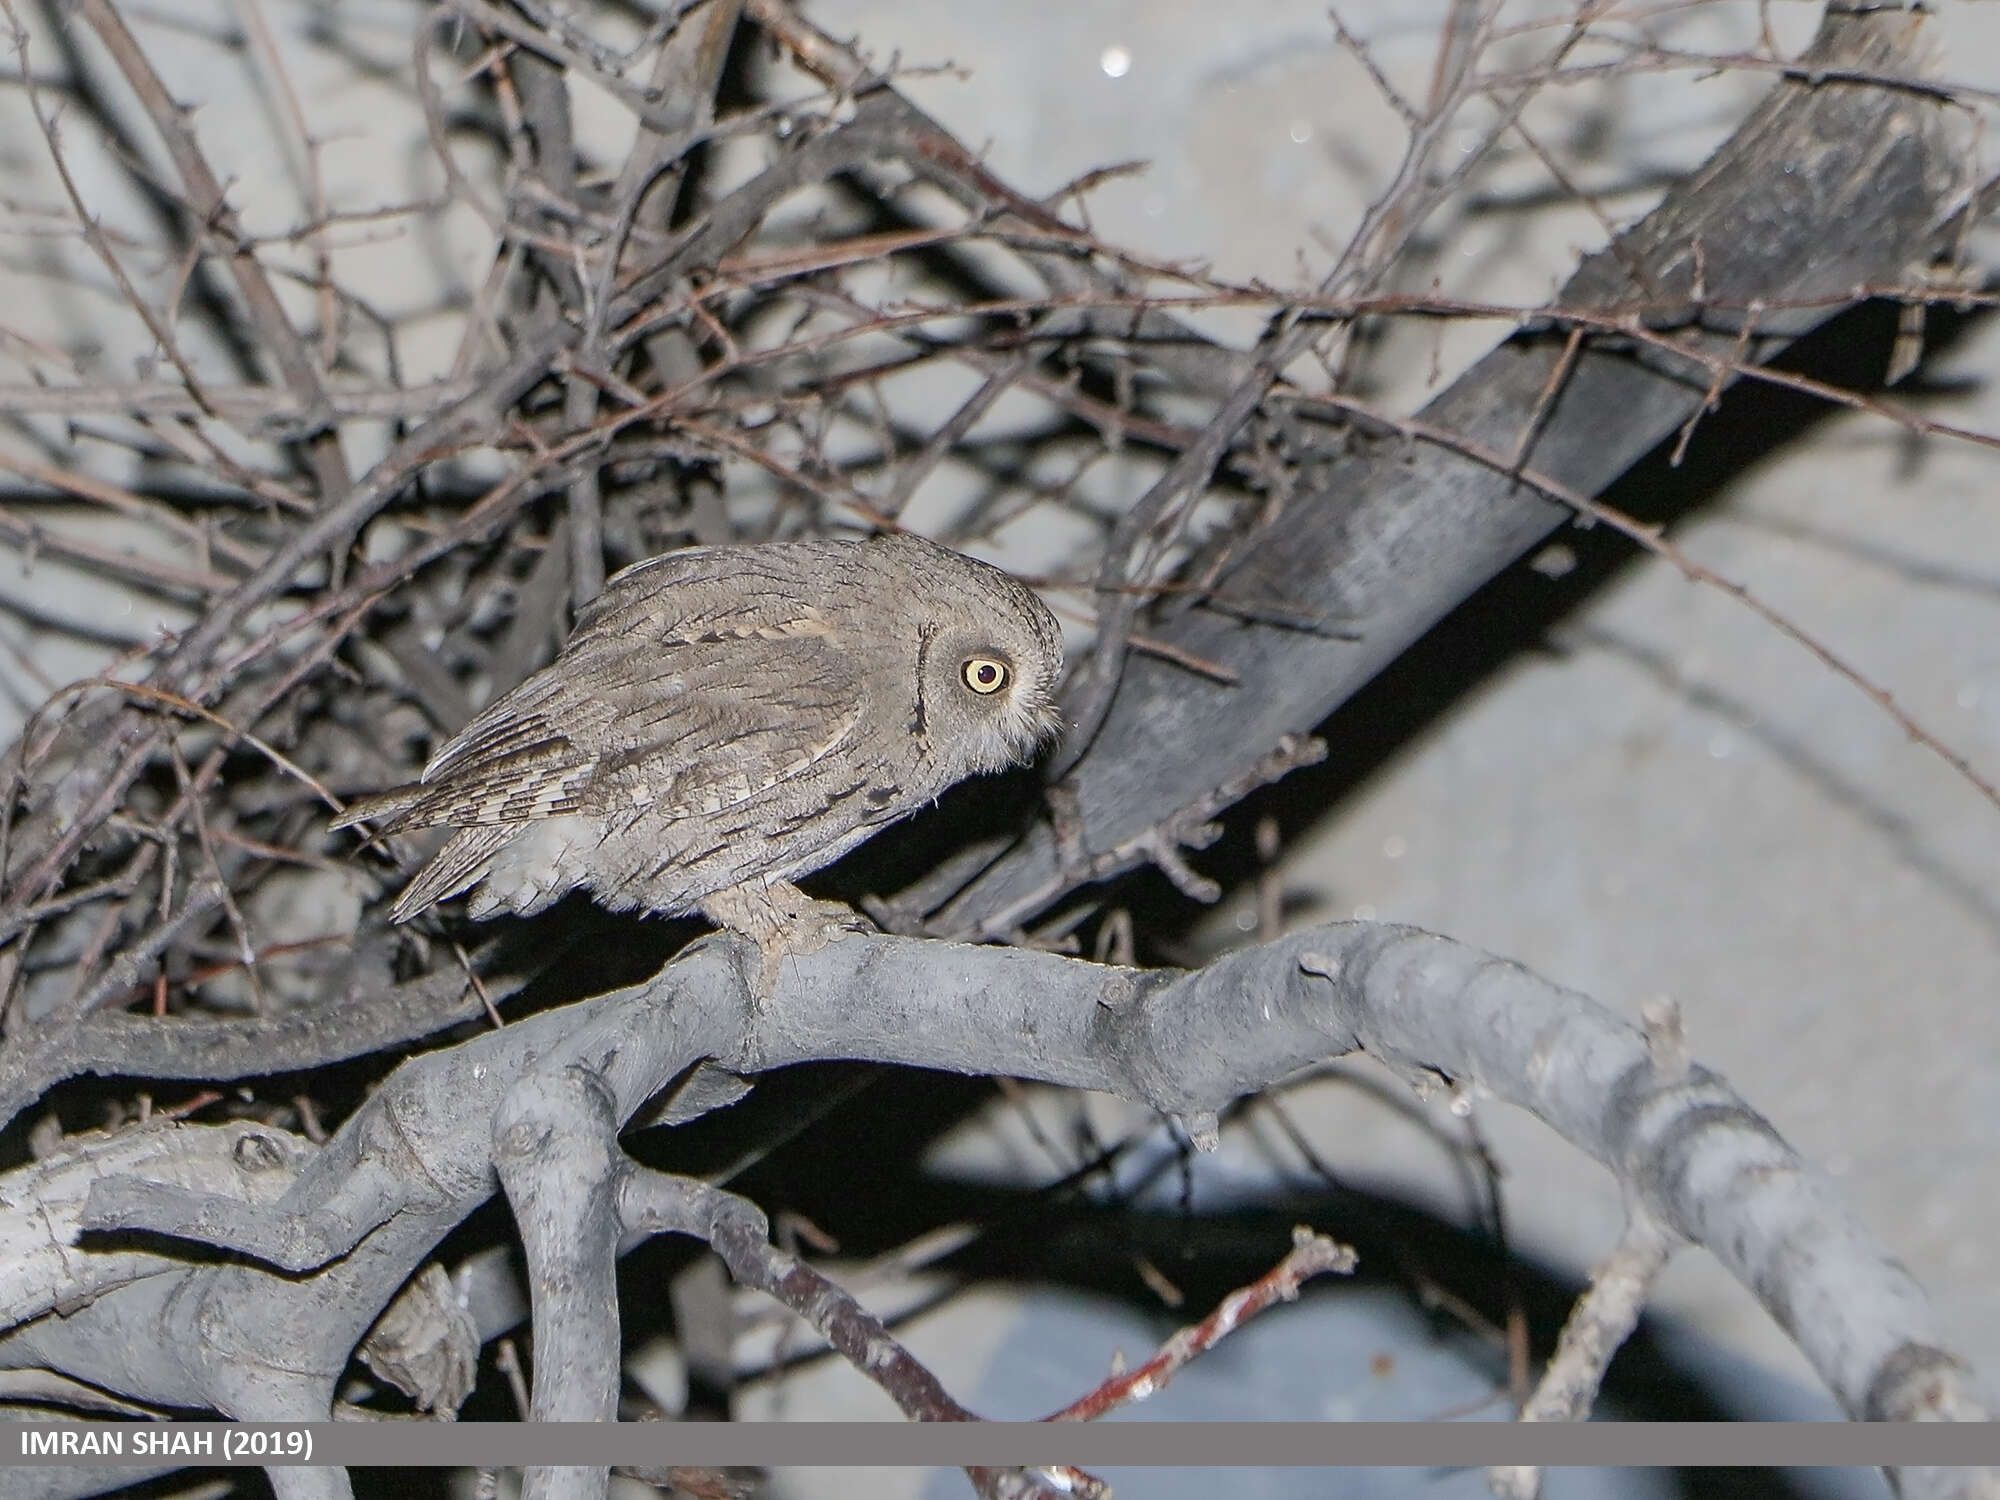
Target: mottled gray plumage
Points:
(725, 719)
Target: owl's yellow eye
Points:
(985, 674)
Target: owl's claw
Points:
(784, 922)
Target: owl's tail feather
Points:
(384, 809)
(462, 861)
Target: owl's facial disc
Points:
(995, 704)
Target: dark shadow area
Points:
(402, 1484)
(177, 1484)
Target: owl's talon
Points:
(784, 922)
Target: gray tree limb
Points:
(1689, 1152)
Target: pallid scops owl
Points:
(726, 719)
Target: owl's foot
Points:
(783, 921)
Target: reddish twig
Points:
(1311, 1255)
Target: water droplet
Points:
(1395, 846)
(1116, 61)
(1302, 131)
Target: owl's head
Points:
(989, 658)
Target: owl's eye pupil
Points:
(984, 674)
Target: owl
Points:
(724, 720)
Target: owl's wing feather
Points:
(454, 867)
(697, 597)
(668, 698)
(710, 594)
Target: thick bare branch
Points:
(1829, 186)
(1684, 1146)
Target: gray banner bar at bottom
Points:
(1113, 1444)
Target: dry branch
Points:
(652, 359)
(1827, 188)
(265, 1344)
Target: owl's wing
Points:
(688, 687)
